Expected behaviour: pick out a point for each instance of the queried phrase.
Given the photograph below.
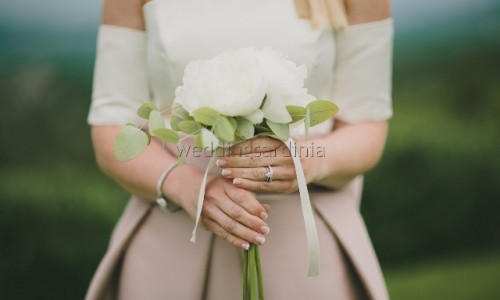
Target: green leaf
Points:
(198, 141)
(166, 135)
(233, 122)
(282, 131)
(174, 122)
(130, 142)
(307, 123)
(320, 111)
(244, 128)
(145, 109)
(155, 121)
(223, 129)
(296, 112)
(179, 111)
(190, 127)
(206, 116)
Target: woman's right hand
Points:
(234, 214)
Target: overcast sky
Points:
(85, 14)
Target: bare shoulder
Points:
(125, 13)
(363, 11)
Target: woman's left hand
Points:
(248, 162)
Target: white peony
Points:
(232, 83)
(285, 85)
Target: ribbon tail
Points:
(307, 212)
(201, 196)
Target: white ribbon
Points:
(201, 195)
(307, 212)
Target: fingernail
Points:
(267, 207)
(264, 215)
(260, 240)
(226, 172)
(236, 181)
(245, 246)
(265, 229)
(221, 163)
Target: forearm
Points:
(139, 176)
(350, 150)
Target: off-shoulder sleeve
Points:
(120, 76)
(363, 73)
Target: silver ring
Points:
(269, 174)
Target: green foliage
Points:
(190, 127)
(296, 112)
(244, 128)
(319, 111)
(167, 135)
(155, 121)
(130, 142)
(282, 131)
(174, 122)
(223, 129)
(145, 109)
(206, 116)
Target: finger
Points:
(223, 234)
(246, 200)
(259, 174)
(254, 160)
(238, 213)
(281, 186)
(232, 226)
(261, 144)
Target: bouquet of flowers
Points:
(235, 96)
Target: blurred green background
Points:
(431, 206)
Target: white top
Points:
(351, 68)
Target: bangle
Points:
(163, 202)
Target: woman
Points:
(142, 51)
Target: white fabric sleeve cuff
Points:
(363, 72)
(120, 76)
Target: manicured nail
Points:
(265, 229)
(226, 172)
(264, 215)
(260, 240)
(237, 181)
(245, 246)
(221, 163)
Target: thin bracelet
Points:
(162, 201)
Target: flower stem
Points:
(245, 275)
(252, 271)
(259, 274)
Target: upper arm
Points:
(363, 11)
(125, 13)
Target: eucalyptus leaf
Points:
(174, 122)
(282, 131)
(223, 129)
(320, 111)
(296, 112)
(190, 127)
(233, 122)
(166, 135)
(198, 141)
(155, 121)
(206, 115)
(145, 110)
(179, 111)
(130, 142)
(307, 123)
(245, 128)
